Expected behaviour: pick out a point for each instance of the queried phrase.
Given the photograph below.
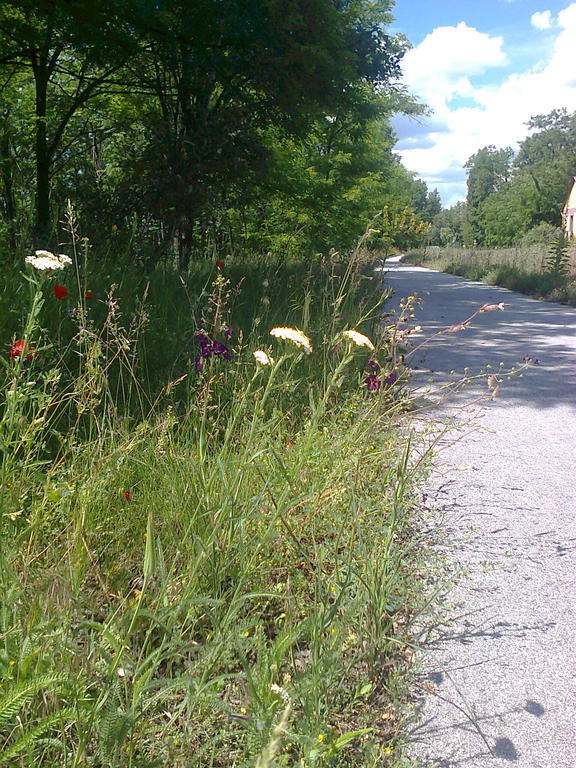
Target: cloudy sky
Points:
(483, 67)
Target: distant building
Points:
(569, 213)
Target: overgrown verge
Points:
(522, 270)
(206, 553)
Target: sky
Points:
(483, 68)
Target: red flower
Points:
(219, 264)
(18, 347)
(88, 294)
(60, 291)
(127, 495)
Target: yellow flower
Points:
(295, 336)
(320, 737)
(263, 358)
(358, 338)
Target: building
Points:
(569, 213)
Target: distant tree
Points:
(488, 169)
(547, 159)
(448, 226)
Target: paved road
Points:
(503, 670)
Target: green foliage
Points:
(558, 261)
(187, 143)
(205, 566)
(508, 196)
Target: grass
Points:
(203, 561)
(520, 269)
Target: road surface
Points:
(499, 680)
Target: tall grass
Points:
(523, 268)
(204, 561)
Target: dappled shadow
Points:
(527, 328)
(469, 723)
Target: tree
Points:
(71, 51)
(488, 169)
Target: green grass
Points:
(203, 568)
(519, 269)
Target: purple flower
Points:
(198, 363)
(391, 378)
(205, 349)
(373, 365)
(227, 332)
(219, 348)
(372, 382)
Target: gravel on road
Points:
(499, 678)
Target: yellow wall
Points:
(569, 213)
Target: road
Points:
(499, 677)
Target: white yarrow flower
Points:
(46, 261)
(263, 358)
(295, 336)
(358, 338)
(282, 692)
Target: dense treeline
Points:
(191, 126)
(515, 197)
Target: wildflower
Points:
(18, 348)
(491, 307)
(219, 264)
(198, 363)
(391, 378)
(46, 261)
(88, 294)
(60, 291)
(127, 495)
(373, 365)
(219, 348)
(263, 358)
(282, 692)
(114, 227)
(372, 382)
(320, 737)
(227, 331)
(358, 338)
(295, 336)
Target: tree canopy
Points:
(201, 122)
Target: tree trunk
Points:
(8, 185)
(42, 219)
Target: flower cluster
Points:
(209, 348)
(373, 382)
(294, 336)
(46, 261)
(358, 339)
(263, 358)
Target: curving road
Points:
(499, 687)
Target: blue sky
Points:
(483, 67)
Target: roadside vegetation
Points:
(208, 553)
(545, 271)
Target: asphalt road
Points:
(499, 679)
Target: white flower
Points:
(358, 338)
(263, 358)
(282, 692)
(45, 261)
(295, 336)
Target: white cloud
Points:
(444, 71)
(541, 19)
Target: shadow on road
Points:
(527, 327)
